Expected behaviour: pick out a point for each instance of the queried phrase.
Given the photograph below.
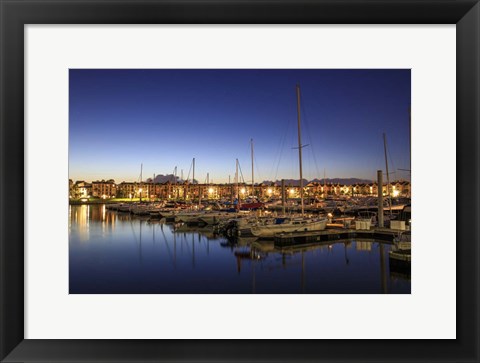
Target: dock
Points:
(334, 234)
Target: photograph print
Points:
(239, 181)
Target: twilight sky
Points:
(163, 118)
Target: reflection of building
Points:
(82, 217)
(363, 246)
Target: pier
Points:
(333, 235)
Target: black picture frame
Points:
(15, 14)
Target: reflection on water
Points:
(112, 252)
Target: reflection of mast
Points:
(303, 272)
(346, 257)
(254, 281)
(193, 250)
(167, 245)
(140, 244)
(174, 250)
(383, 272)
(239, 264)
(153, 232)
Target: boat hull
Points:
(272, 230)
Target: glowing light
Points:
(210, 190)
(396, 193)
(269, 191)
(292, 191)
(243, 190)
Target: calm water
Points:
(112, 252)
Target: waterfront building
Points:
(268, 190)
(71, 190)
(82, 189)
(104, 189)
(126, 190)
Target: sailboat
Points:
(270, 227)
(252, 204)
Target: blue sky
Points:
(119, 119)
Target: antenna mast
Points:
(300, 147)
(253, 183)
(388, 177)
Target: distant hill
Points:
(164, 178)
(167, 178)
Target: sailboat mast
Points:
(410, 136)
(388, 177)
(324, 183)
(300, 147)
(236, 184)
(253, 184)
(141, 177)
(175, 183)
(193, 177)
(193, 180)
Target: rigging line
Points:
(283, 141)
(391, 161)
(309, 134)
(240, 169)
(188, 176)
(282, 146)
(279, 149)
(259, 175)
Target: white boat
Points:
(189, 217)
(216, 217)
(288, 225)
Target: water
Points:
(111, 252)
